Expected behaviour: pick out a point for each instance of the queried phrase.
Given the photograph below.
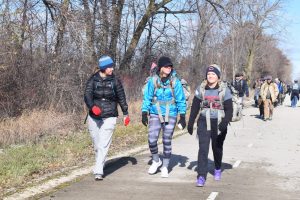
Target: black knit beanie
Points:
(214, 68)
(164, 61)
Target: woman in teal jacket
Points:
(163, 99)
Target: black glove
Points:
(145, 118)
(223, 126)
(182, 121)
(190, 127)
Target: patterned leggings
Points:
(154, 129)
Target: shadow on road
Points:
(115, 164)
(176, 160)
(256, 116)
(211, 166)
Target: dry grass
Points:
(44, 142)
(34, 126)
(23, 165)
(135, 112)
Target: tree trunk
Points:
(102, 39)
(250, 59)
(61, 26)
(151, 10)
(115, 31)
(90, 29)
(23, 26)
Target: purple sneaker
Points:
(200, 181)
(218, 173)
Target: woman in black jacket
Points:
(102, 94)
(213, 100)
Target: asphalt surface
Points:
(261, 161)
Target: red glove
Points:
(96, 110)
(126, 120)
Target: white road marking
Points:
(212, 195)
(250, 145)
(237, 163)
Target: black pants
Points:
(261, 109)
(204, 141)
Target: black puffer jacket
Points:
(106, 93)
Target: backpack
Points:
(236, 105)
(238, 85)
(295, 86)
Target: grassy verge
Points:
(21, 165)
(50, 146)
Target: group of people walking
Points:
(269, 94)
(164, 100)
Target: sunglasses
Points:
(168, 66)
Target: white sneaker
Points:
(98, 177)
(164, 172)
(155, 165)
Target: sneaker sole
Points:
(165, 176)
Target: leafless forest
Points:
(50, 47)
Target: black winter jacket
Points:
(242, 87)
(106, 93)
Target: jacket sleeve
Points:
(228, 109)
(246, 88)
(148, 95)
(121, 97)
(88, 93)
(179, 97)
(194, 110)
(276, 90)
(262, 93)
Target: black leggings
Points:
(204, 140)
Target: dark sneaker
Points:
(98, 177)
(218, 173)
(200, 181)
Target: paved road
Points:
(261, 161)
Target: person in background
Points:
(256, 86)
(241, 86)
(103, 92)
(257, 97)
(294, 94)
(281, 93)
(269, 92)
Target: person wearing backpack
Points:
(213, 100)
(241, 85)
(102, 94)
(280, 87)
(163, 100)
(269, 92)
(294, 94)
